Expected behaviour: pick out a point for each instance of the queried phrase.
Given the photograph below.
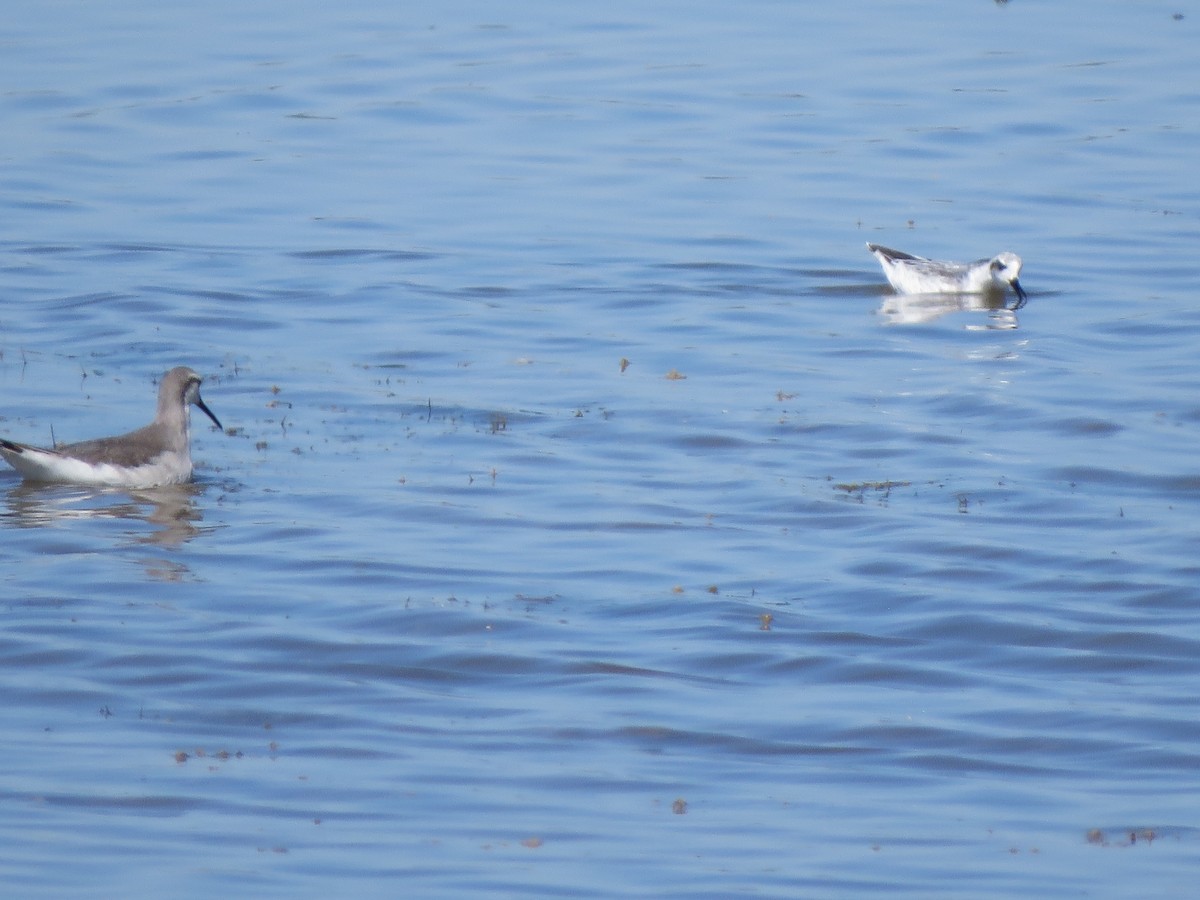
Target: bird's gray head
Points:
(185, 383)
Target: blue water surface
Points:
(591, 519)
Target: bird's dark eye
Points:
(997, 265)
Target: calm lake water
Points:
(591, 519)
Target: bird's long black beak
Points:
(208, 412)
(1021, 295)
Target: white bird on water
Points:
(157, 454)
(910, 274)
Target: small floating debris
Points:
(1122, 837)
(861, 488)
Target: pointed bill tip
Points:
(208, 412)
(1022, 297)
